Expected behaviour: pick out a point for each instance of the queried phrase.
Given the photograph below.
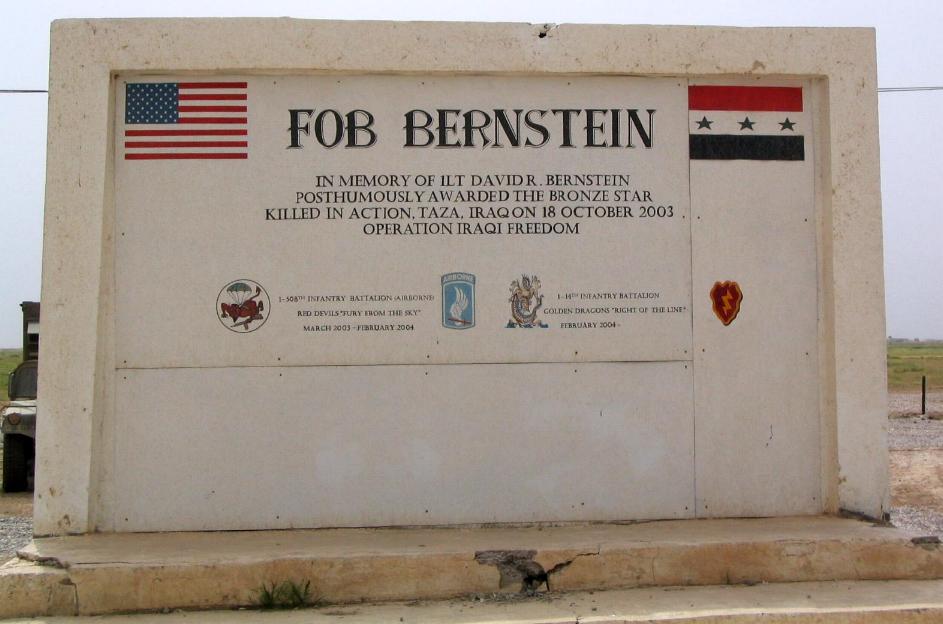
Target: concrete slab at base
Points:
(855, 602)
(141, 572)
(30, 589)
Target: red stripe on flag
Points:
(186, 144)
(211, 120)
(212, 109)
(192, 156)
(212, 85)
(153, 133)
(726, 98)
(212, 96)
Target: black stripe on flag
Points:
(741, 147)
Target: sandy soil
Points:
(917, 479)
(916, 462)
(18, 504)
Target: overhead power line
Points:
(904, 89)
(880, 90)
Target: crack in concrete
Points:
(75, 597)
(518, 566)
(43, 560)
(545, 29)
(61, 598)
(55, 562)
(927, 542)
(883, 521)
(565, 564)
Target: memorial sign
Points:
(457, 274)
(353, 201)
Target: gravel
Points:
(908, 404)
(907, 430)
(918, 520)
(15, 533)
(914, 432)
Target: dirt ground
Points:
(917, 479)
(17, 504)
(916, 457)
(916, 462)
(916, 452)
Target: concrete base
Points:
(95, 574)
(836, 602)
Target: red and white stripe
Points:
(212, 123)
(727, 107)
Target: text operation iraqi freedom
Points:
(420, 228)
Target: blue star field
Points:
(151, 103)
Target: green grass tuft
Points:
(285, 595)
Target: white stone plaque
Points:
(401, 220)
(458, 273)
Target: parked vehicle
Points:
(18, 425)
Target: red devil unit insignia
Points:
(242, 306)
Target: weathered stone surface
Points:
(792, 425)
(27, 589)
(842, 602)
(138, 572)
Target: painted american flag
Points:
(186, 120)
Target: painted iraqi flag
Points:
(746, 123)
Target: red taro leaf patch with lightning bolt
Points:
(726, 298)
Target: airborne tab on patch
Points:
(458, 300)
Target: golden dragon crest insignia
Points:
(525, 301)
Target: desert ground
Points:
(916, 461)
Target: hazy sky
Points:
(909, 54)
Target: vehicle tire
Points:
(15, 466)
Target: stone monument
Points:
(396, 274)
